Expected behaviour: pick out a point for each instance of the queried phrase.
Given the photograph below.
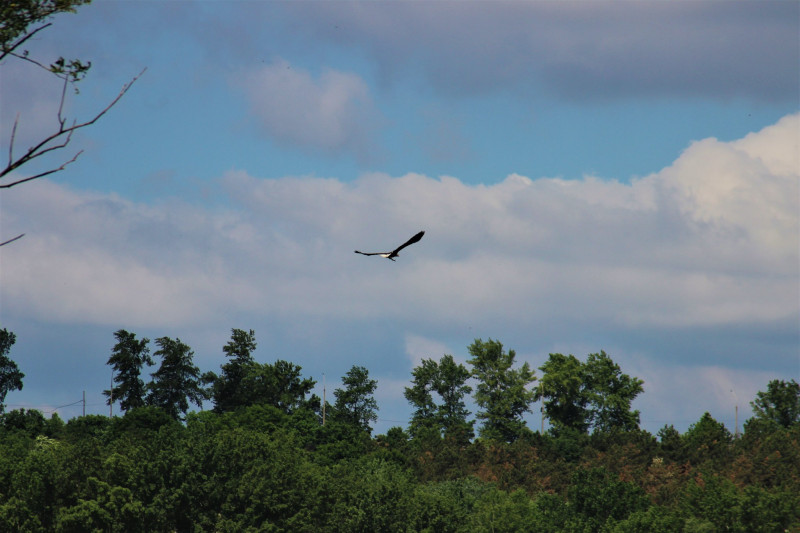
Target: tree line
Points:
(269, 456)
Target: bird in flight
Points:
(394, 253)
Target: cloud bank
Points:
(710, 240)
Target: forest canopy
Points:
(271, 456)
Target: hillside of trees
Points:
(270, 456)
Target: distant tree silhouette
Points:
(10, 375)
(127, 359)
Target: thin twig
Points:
(11, 141)
(43, 174)
(61, 103)
(12, 240)
(33, 61)
(41, 148)
(18, 43)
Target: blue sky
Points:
(590, 175)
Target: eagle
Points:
(394, 253)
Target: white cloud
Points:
(709, 241)
(748, 187)
(332, 112)
(419, 348)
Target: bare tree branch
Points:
(11, 142)
(14, 46)
(63, 132)
(12, 240)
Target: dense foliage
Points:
(262, 459)
(10, 376)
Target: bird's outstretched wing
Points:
(394, 253)
(412, 240)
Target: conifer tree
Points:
(177, 380)
(127, 358)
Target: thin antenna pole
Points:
(323, 399)
(736, 415)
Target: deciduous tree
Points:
(279, 384)
(610, 393)
(595, 394)
(779, 404)
(420, 396)
(502, 392)
(355, 403)
(10, 375)
(561, 387)
(447, 379)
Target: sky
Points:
(618, 176)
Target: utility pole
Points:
(84, 403)
(736, 416)
(323, 399)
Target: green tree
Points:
(610, 393)
(355, 403)
(279, 385)
(372, 495)
(420, 396)
(226, 389)
(16, 19)
(498, 511)
(715, 503)
(127, 358)
(452, 387)
(10, 376)
(447, 506)
(102, 507)
(596, 497)
(502, 392)
(447, 380)
(30, 421)
(176, 382)
(707, 441)
(779, 404)
(670, 445)
(591, 395)
(562, 388)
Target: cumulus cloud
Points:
(419, 348)
(710, 241)
(333, 112)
